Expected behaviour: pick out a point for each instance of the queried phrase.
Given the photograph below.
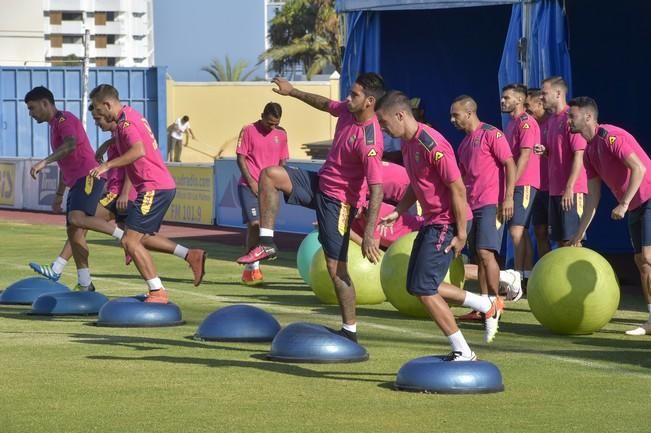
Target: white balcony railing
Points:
(65, 28)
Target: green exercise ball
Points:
(309, 246)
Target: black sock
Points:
(267, 241)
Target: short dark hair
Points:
(273, 109)
(556, 81)
(394, 99)
(466, 100)
(38, 93)
(372, 83)
(104, 92)
(587, 103)
(534, 92)
(516, 87)
(185, 119)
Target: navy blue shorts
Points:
(564, 224)
(540, 212)
(85, 194)
(249, 204)
(524, 197)
(109, 201)
(429, 262)
(639, 226)
(333, 216)
(147, 212)
(485, 232)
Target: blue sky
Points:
(189, 34)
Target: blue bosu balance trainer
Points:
(437, 375)
(69, 304)
(307, 342)
(238, 323)
(25, 292)
(133, 312)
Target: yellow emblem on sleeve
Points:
(525, 126)
(438, 155)
(498, 134)
(371, 153)
(612, 139)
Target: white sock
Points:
(180, 251)
(83, 277)
(58, 264)
(478, 303)
(118, 233)
(248, 267)
(266, 232)
(459, 344)
(155, 284)
(504, 276)
(351, 328)
(526, 274)
(255, 265)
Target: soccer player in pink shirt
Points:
(73, 154)
(147, 172)
(523, 134)
(540, 217)
(615, 157)
(437, 184)
(261, 144)
(567, 179)
(385, 236)
(488, 172)
(336, 190)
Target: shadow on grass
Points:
(145, 343)
(21, 312)
(260, 363)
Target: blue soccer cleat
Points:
(45, 270)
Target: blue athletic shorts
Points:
(540, 209)
(85, 194)
(486, 230)
(109, 201)
(147, 212)
(429, 262)
(249, 204)
(305, 184)
(639, 226)
(524, 197)
(564, 224)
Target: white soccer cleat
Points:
(645, 329)
(511, 282)
(458, 356)
(492, 323)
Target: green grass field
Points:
(65, 375)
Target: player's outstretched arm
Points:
(285, 88)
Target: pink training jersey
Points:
(432, 167)
(604, 158)
(115, 176)
(406, 223)
(561, 146)
(395, 182)
(523, 132)
(149, 172)
(544, 169)
(81, 160)
(481, 157)
(355, 156)
(261, 148)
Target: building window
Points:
(111, 39)
(111, 16)
(110, 61)
(72, 16)
(72, 39)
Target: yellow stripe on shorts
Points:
(579, 204)
(526, 196)
(498, 223)
(342, 224)
(147, 202)
(88, 188)
(108, 199)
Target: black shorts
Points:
(485, 232)
(524, 197)
(540, 212)
(85, 194)
(639, 226)
(564, 224)
(428, 262)
(249, 204)
(109, 201)
(147, 212)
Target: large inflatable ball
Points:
(573, 291)
(393, 275)
(309, 246)
(365, 276)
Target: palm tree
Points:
(307, 33)
(228, 72)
